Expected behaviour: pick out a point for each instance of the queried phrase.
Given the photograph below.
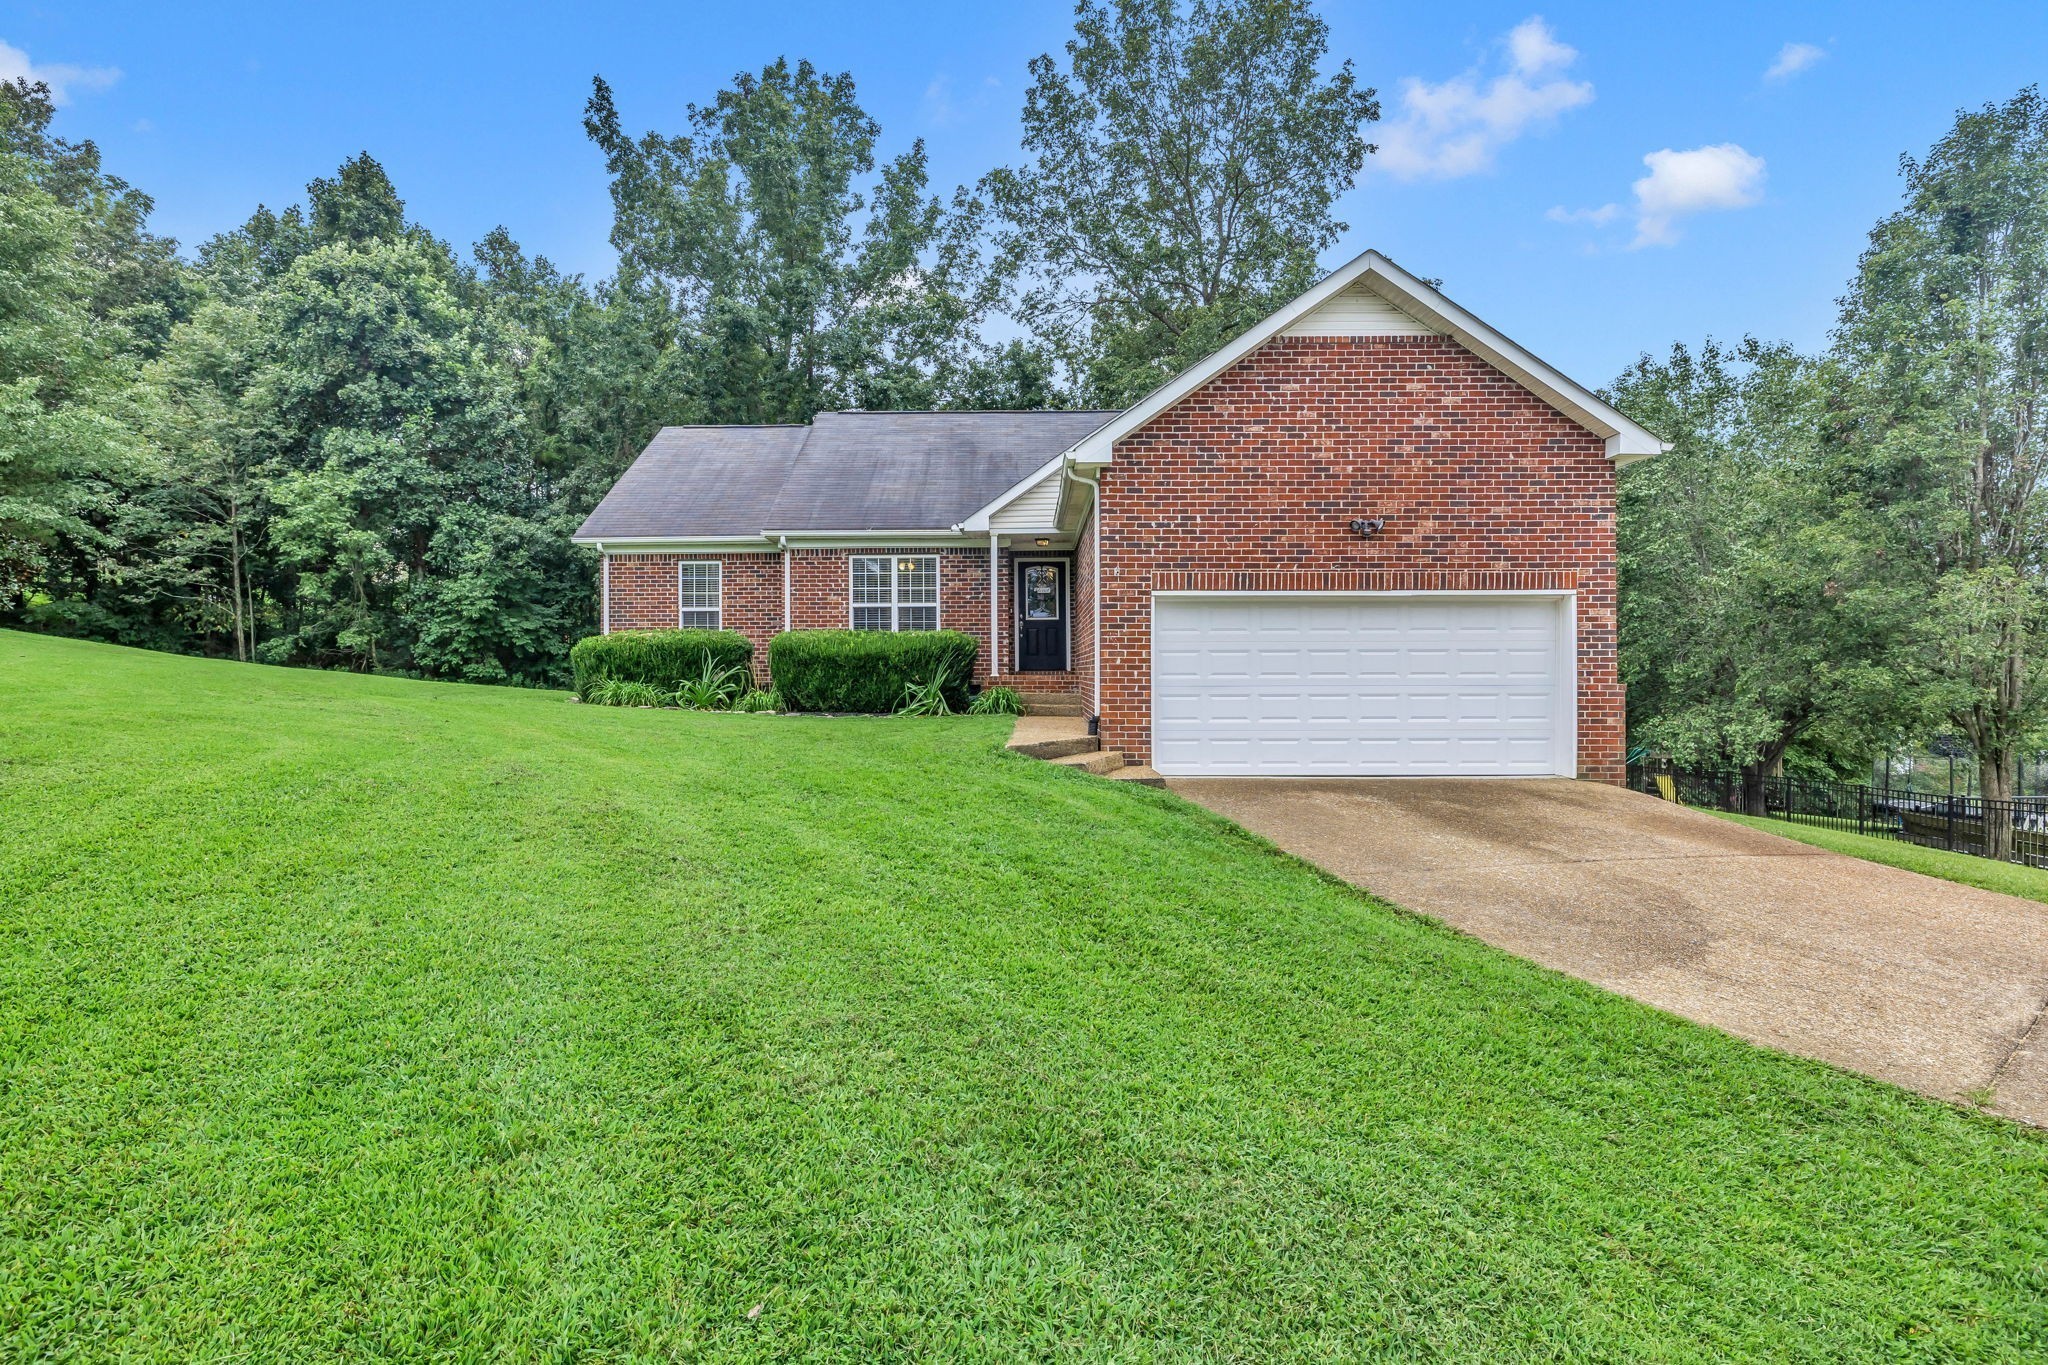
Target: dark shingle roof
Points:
(847, 471)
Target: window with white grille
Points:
(895, 592)
(699, 605)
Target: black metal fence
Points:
(1957, 823)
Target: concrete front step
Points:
(1103, 762)
(1142, 774)
(1053, 736)
(1053, 704)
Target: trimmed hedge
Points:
(662, 658)
(867, 670)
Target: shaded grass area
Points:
(2012, 879)
(347, 1015)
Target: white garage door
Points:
(1428, 684)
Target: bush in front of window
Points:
(663, 659)
(868, 671)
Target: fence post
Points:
(1951, 823)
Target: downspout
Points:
(995, 614)
(782, 543)
(1095, 617)
(604, 591)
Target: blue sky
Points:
(1515, 134)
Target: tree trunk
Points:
(1753, 788)
(235, 575)
(1995, 770)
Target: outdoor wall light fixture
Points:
(1365, 528)
(1042, 542)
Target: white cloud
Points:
(1605, 214)
(1680, 184)
(63, 79)
(1455, 127)
(1722, 176)
(1794, 58)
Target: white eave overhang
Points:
(1626, 441)
(767, 542)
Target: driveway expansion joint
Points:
(2026, 1036)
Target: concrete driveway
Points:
(1920, 982)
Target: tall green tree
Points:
(61, 440)
(136, 280)
(386, 412)
(1754, 614)
(796, 283)
(1181, 173)
(1944, 341)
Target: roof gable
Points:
(1335, 301)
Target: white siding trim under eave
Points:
(1032, 509)
(1026, 487)
(1359, 312)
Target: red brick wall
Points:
(1258, 473)
(821, 581)
(644, 592)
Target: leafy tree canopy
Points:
(1180, 176)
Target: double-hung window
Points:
(895, 592)
(697, 606)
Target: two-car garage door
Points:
(1423, 684)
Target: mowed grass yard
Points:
(354, 1016)
(2009, 879)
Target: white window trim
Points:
(718, 574)
(937, 604)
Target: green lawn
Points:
(353, 1016)
(2010, 878)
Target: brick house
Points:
(1371, 535)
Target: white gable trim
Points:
(979, 521)
(1626, 441)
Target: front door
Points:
(1041, 616)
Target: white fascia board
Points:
(634, 545)
(814, 540)
(1625, 439)
(979, 521)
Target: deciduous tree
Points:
(1944, 342)
(1180, 176)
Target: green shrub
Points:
(715, 688)
(996, 701)
(627, 692)
(868, 671)
(664, 659)
(757, 700)
(927, 696)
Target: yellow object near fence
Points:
(1666, 788)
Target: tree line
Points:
(1850, 546)
(329, 438)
